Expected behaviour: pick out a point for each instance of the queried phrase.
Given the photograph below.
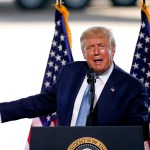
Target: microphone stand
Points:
(91, 80)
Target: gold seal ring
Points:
(87, 141)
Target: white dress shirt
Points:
(99, 85)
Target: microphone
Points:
(91, 79)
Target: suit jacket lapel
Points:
(108, 93)
(78, 79)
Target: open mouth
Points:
(98, 60)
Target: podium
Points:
(87, 138)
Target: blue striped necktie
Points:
(84, 108)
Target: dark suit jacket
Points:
(126, 105)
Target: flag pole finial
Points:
(146, 10)
(144, 5)
(59, 2)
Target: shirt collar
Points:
(104, 77)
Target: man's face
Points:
(98, 53)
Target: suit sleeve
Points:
(30, 107)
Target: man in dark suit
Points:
(120, 99)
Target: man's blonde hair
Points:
(97, 32)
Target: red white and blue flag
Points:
(141, 61)
(60, 54)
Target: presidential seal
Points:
(87, 143)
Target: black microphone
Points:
(91, 79)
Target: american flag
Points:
(60, 54)
(141, 61)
